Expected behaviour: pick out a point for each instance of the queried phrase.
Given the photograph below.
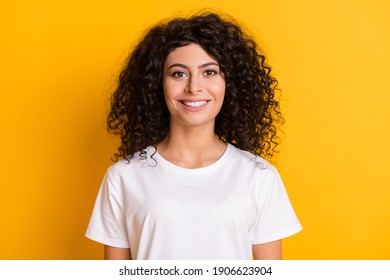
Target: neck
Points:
(191, 147)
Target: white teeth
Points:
(194, 104)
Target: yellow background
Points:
(59, 61)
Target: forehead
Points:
(192, 54)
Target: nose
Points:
(194, 85)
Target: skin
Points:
(113, 253)
(191, 74)
(268, 251)
(194, 90)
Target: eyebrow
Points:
(186, 67)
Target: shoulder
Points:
(246, 163)
(250, 160)
(131, 166)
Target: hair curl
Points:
(250, 115)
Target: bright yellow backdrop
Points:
(59, 61)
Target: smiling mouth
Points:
(194, 104)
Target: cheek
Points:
(170, 92)
(218, 90)
(171, 89)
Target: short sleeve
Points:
(276, 218)
(108, 223)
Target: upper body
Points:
(180, 190)
(163, 211)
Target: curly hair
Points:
(250, 116)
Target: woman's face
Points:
(194, 86)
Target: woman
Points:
(196, 113)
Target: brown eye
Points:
(178, 74)
(210, 72)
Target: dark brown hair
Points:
(250, 115)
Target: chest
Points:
(191, 200)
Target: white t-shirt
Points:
(163, 211)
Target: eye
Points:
(210, 72)
(179, 74)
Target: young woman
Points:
(196, 113)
